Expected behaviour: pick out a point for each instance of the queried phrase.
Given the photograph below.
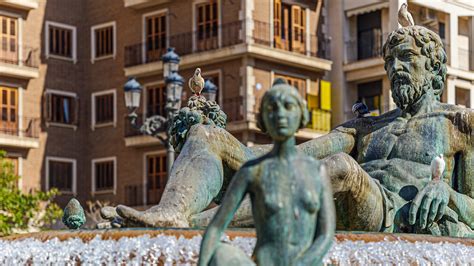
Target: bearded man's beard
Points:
(406, 90)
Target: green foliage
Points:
(23, 212)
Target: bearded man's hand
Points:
(429, 204)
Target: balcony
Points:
(21, 63)
(302, 44)
(144, 53)
(226, 42)
(21, 4)
(368, 47)
(26, 136)
(137, 4)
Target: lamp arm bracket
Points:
(154, 125)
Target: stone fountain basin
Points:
(181, 247)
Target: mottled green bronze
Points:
(291, 197)
(74, 216)
(198, 111)
(379, 167)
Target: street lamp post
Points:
(156, 125)
(209, 91)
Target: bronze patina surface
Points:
(291, 197)
(379, 167)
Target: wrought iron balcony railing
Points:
(29, 56)
(223, 36)
(30, 126)
(185, 43)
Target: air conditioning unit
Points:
(428, 16)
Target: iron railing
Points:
(30, 126)
(29, 56)
(291, 41)
(320, 120)
(225, 35)
(133, 195)
(370, 46)
(185, 43)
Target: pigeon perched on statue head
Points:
(404, 17)
(74, 216)
(437, 167)
(196, 82)
(360, 109)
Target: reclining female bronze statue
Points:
(379, 167)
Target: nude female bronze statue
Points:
(291, 198)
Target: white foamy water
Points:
(169, 250)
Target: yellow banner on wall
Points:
(325, 95)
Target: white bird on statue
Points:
(404, 17)
(437, 167)
(196, 82)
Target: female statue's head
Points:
(282, 111)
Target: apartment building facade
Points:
(63, 64)
(358, 31)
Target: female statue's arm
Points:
(326, 226)
(232, 199)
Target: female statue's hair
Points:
(431, 47)
(281, 85)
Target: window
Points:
(463, 97)
(103, 41)
(156, 100)
(61, 174)
(60, 41)
(103, 108)
(156, 177)
(104, 174)
(289, 27)
(370, 94)
(207, 25)
(298, 83)
(8, 40)
(8, 110)
(61, 108)
(155, 36)
(369, 35)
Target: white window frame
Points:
(93, 40)
(74, 172)
(100, 160)
(144, 17)
(63, 93)
(219, 22)
(74, 41)
(94, 124)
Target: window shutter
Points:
(75, 116)
(47, 111)
(325, 95)
(303, 30)
(296, 29)
(277, 23)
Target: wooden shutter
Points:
(156, 177)
(298, 28)
(9, 110)
(9, 39)
(207, 25)
(325, 95)
(75, 110)
(155, 37)
(277, 23)
(47, 107)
